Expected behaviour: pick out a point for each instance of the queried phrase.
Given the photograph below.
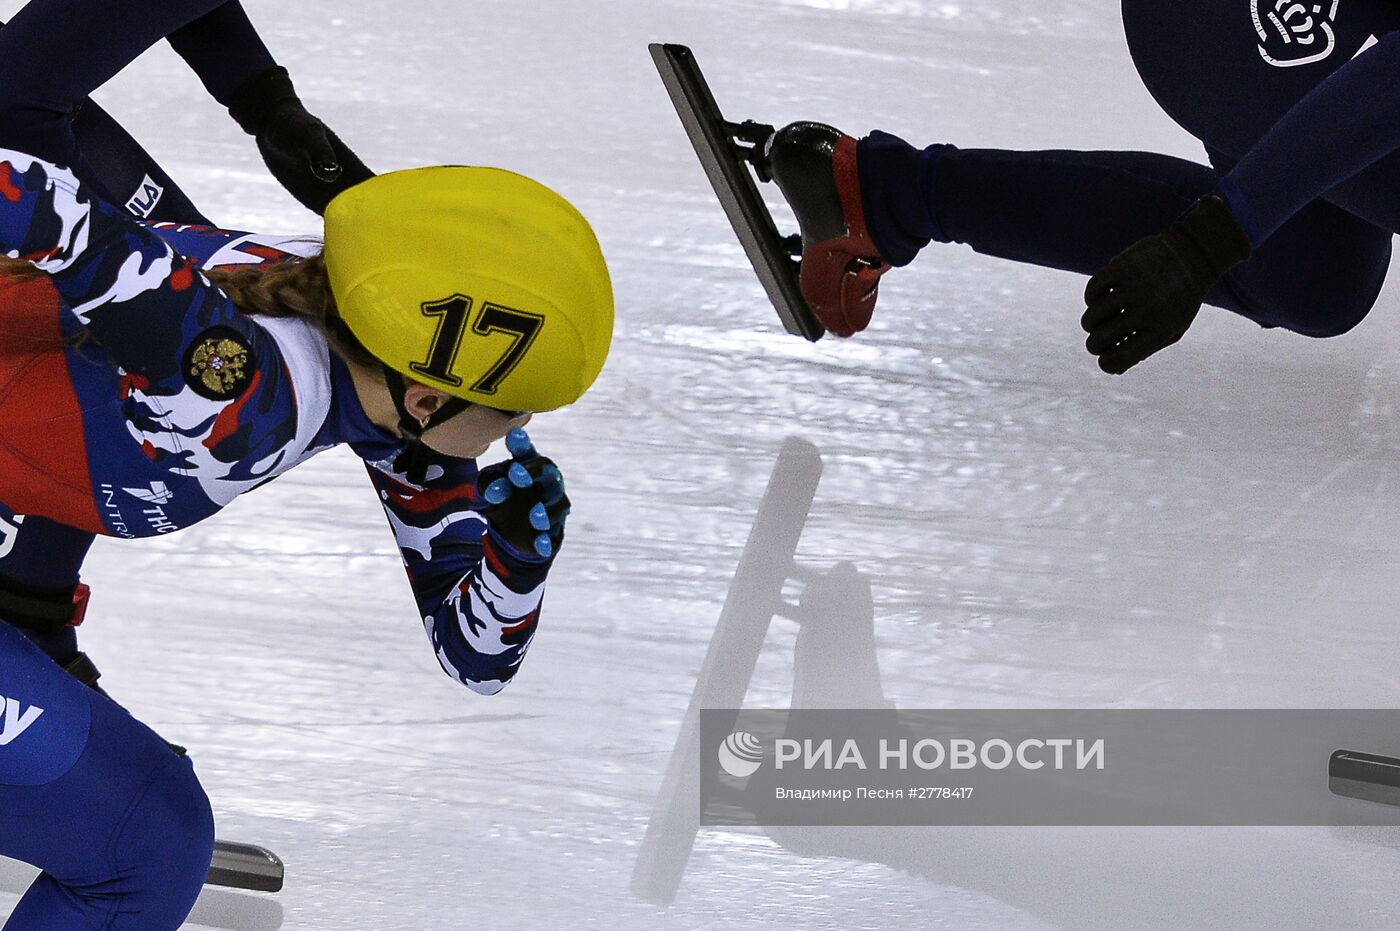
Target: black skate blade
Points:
(1367, 776)
(245, 866)
(711, 136)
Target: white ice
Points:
(1215, 529)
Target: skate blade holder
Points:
(729, 151)
(748, 139)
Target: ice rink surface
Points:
(1216, 529)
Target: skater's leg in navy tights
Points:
(117, 164)
(129, 172)
(1318, 275)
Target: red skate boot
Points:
(815, 167)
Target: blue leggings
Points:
(115, 819)
(1318, 275)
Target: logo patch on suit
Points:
(143, 202)
(158, 493)
(1293, 33)
(219, 364)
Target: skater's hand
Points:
(307, 158)
(303, 154)
(525, 504)
(1147, 297)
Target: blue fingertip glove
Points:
(525, 504)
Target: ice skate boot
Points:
(815, 167)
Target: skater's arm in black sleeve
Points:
(223, 49)
(1345, 124)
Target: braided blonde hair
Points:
(17, 269)
(296, 288)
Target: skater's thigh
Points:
(1319, 274)
(1227, 70)
(74, 767)
(126, 170)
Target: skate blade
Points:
(1367, 776)
(245, 866)
(769, 253)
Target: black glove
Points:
(1147, 297)
(525, 505)
(308, 159)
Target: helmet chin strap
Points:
(417, 456)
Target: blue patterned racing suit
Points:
(179, 402)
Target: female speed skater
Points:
(1298, 106)
(152, 369)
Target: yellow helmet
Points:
(476, 281)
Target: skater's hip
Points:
(1227, 70)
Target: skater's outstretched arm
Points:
(1147, 297)
(223, 49)
(302, 153)
(478, 596)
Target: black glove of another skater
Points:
(307, 158)
(1146, 298)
